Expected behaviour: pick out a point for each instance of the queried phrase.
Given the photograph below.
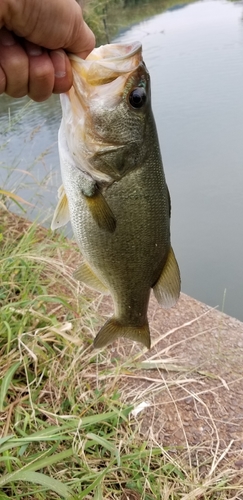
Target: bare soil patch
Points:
(197, 398)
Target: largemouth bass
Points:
(114, 190)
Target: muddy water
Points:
(195, 57)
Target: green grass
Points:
(66, 423)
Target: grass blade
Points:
(95, 484)
(45, 461)
(105, 444)
(14, 197)
(37, 478)
(6, 381)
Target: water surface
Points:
(195, 58)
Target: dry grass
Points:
(67, 422)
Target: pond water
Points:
(195, 57)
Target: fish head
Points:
(107, 111)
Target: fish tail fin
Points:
(113, 329)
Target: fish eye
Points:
(137, 98)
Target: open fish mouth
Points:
(106, 63)
(100, 86)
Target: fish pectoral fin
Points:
(86, 275)
(60, 191)
(101, 211)
(61, 215)
(113, 329)
(167, 288)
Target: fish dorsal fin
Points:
(101, 211)
(61, 215)
(167, 288)
(113, 329)
(86, 275)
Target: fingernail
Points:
(58, 59)
(32, 49)
(6, 38)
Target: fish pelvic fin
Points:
(167, 288)
(113, 329)
(61, 215)
(101, 211)
(85, 274)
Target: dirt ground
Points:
(196, 400)
(195, 394)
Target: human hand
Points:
(34, 38)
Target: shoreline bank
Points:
(191, 342)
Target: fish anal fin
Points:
(61, 215)
(167, 288)
(113, 329)
(86, 275)
(101, 211)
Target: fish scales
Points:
(119, 254)
(135, 255)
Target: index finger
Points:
(83, 41)
(53, 24)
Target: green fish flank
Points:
(114, 189)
